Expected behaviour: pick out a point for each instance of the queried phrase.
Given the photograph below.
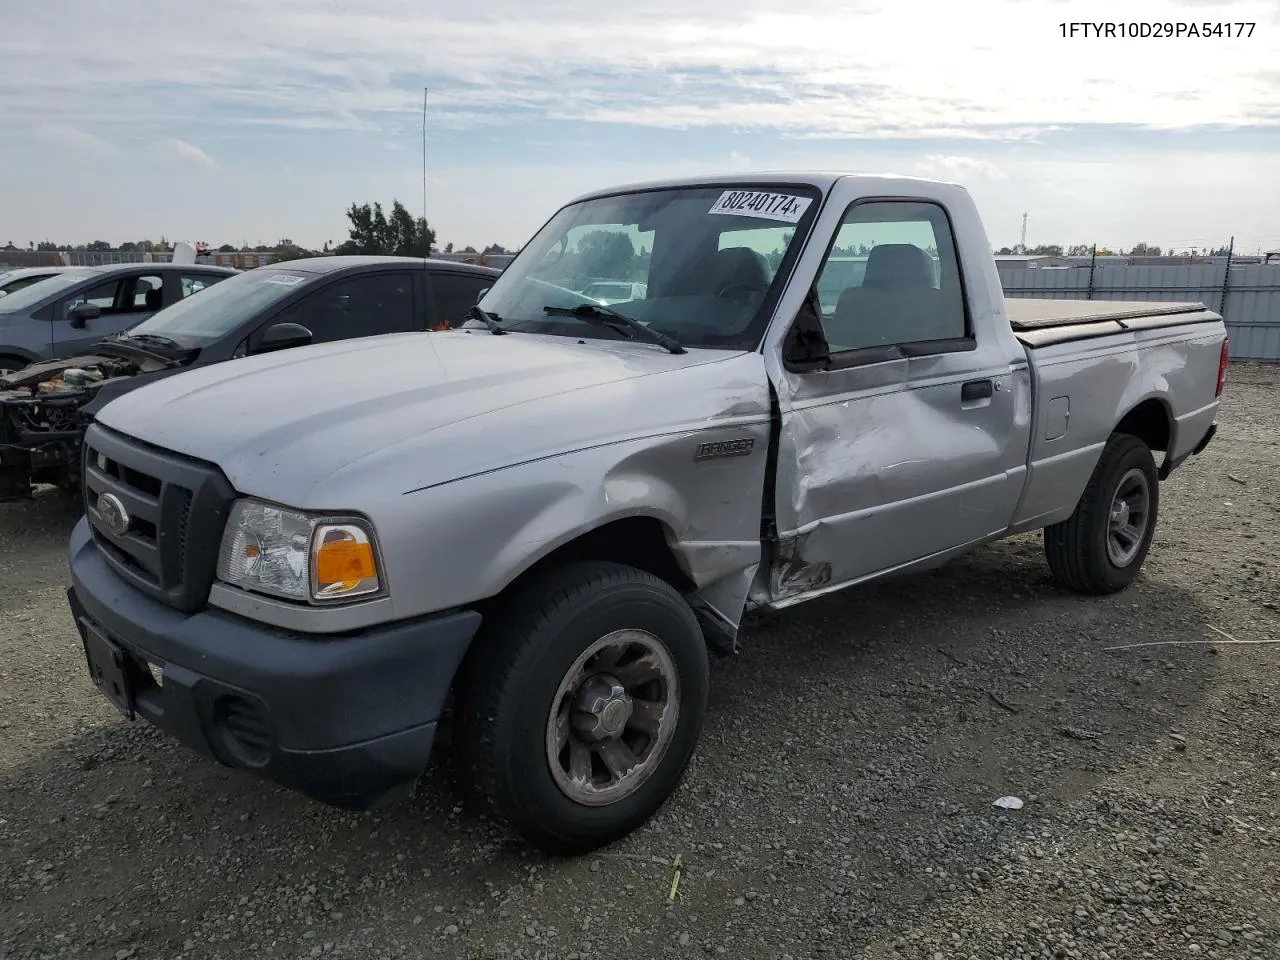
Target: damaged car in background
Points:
(45, 407)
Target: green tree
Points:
(409, 236)
(373, 233)
(290, 251)
(1144, 250)
(368, 231)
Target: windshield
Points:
(221, 308)
(37, 292)
(701, 264)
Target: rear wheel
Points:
(580, 707)
(1100, 548)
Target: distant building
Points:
(498, 260)
(239, 259)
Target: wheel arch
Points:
(639, 539)
(1151, 421)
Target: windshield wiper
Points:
(488, 319)
(608, 317)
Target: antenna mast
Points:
(1023, 245)
(424, 167)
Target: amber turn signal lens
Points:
(344, 561)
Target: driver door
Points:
(910, 444)
(124, 302)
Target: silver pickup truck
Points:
(542, 524)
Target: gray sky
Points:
(252, 121)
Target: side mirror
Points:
(282, 336)
(805, 346)
(83, 313)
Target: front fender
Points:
(467, 541)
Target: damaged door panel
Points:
(917, 443)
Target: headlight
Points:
(286, 553)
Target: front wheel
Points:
(579, 708)
(10, 364)
(1100, 548)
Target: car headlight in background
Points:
(297, 556)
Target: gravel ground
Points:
(841, 803)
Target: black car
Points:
(45, 407)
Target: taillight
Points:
(1222, 370)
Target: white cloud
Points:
(882, 69)
(76, 140)
(958, 168)
(190, 153)
(974, 85)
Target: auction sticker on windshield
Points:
(285, 279)
(759, 203)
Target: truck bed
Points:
(1042, 322)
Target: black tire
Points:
(507, 685)
(8, 362)
(1077, 548)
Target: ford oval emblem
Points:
(114, 516)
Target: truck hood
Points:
(309, 425)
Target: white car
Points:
(12, 280)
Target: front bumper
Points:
(347, 720)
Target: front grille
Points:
(168, 512)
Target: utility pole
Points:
(1022, 247)
(424, 156)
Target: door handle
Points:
(975, 390)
